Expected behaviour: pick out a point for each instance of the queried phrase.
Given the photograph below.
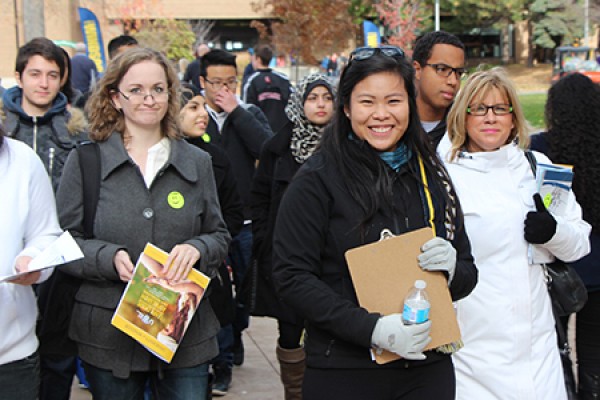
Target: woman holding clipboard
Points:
(375, 170)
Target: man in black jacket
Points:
(241, 130)
(439, 61)
(268, 89)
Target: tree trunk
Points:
(506, 45)
(33, 19)
(530, 53)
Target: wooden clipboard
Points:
(383, 272)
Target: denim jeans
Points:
(225, 339)
(20, 380)
(176, 384)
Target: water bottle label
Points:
(415, 315)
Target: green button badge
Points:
(175, 200)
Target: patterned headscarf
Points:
(305, 134)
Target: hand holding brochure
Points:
(155, 311)
(63, 250)
(554, 184)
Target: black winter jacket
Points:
(220, 290)
(270, 91)
(243, 134)
(437, 133)
(275, 171)
(317, 222)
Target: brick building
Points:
(61, 20)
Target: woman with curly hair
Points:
(154, 187)
(573, 137)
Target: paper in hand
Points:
(61, 251)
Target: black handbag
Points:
(567, 291)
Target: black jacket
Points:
(275, 171)
(437, 133)
(192, 73)
(317, 222)
(220, 290)
(270, 91)
(244, 132)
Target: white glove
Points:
(438, 255)
(408, 341)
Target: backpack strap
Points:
(89, 162)
(532, 161)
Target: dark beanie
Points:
(313, 85)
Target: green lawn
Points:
(533, 107)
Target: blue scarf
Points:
(397, 158)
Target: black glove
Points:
(540, 225)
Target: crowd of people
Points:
(264, 187)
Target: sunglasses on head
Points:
(364, 53)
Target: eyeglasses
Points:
(481, 109)
(444, 70)
(217, 85)
(364, 53)
(136, 95)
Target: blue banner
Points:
(371, 34)
(92, 35)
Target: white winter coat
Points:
(506, 323)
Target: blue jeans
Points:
(225, 339)
(20, 380)
(176, 384)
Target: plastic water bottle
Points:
(416, 304)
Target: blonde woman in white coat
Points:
(510, 346)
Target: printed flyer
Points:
(155, 311)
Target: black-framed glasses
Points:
(445, 70)
(158, 94)
(217, 85)
(364, 53)
(481, 109)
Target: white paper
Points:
(61, 251)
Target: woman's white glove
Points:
(408, 341)
(438, 255)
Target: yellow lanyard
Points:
(427, 195)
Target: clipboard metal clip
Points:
(386, 234)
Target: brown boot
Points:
(291, 363)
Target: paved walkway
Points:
(257, 378)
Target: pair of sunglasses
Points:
(364, 53)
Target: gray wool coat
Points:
(128, 216)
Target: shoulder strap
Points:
(89, 163)
(532, 161)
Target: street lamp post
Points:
(437, 15)
(586, 26)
